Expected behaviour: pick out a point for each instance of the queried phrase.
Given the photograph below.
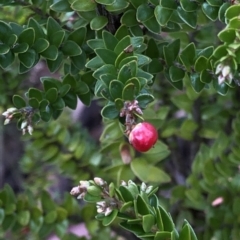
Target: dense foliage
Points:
(174, 64)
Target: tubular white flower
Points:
(24, 124)
(226, 71)
(30, 129)
(219, 68)
(7, 121)
(221, 79)
(108, 211)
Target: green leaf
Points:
(142, 206)
(108, 56)
(38, 30)
(148, 221)
(162, 15)
(61, 6)
(141, 169)
(122, 32)
(70, 48)
(70, 99)
(50, 83)
(110, 111)
(23, 217)
(105, 69)
(110, 218)
(234, 23)
(84, 5)
(33, 102)
(168, 4)
(196, 83)
(59, 104)
(171, 51)
(51, 95)
(128, 92)
(210, 11)
(78, 36)
(190, 18)
(222, 11)
(119, 104)
(47, 202)
(95, 63)
(187, 55)
(20, 48)
(129, 18)
(53, 65)
(110, 41)
(105, 2)
(79, 61)
(57, 39)
(122, 44)
(19, 102)
(144, 13)
(27, 36)
(232, 12)
(4, 48)
(115, 89)
(163, 235)
(126, 194)
(52, 28)
(201, 64)
(117, 6)
(28, 58)
(2, 215)
(98, 23)
(176, 74)
(5, 31)
(50, 217)
(43, 105)
(188, 6)
(206, 76)
(50, 53)
(137, 3)
(220, 88)
(7, 59)
(227, 35)
(40, 45)
(168, 224)
(144, 99)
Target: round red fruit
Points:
(143, 136)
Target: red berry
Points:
(143, 136)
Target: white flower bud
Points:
(221, 79)
(81, 196)
(108, 211)
(11, 110)
(75, 191)
(84, 184)
(219, 68)
(100, 210)
(225, 71)
(30, 129)
(24, 124)
(143, 186)
(149, 189)
(99, 181)
(5, 114)
(123, 183)
(101, 204)
(7, 121)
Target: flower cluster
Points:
(130, 109)
(224, 73)
(80, 190)
(26, 118)
(95, 188)
(9, 115)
